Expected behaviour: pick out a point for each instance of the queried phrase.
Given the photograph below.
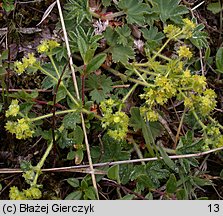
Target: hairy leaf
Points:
(169, 10)
(134, 10)
(99, 86)
(95, 63)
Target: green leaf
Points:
(24, 95)
(79, 155)
(125, 172)
(106, 3)
(122, 54)
(90, 193)
(199, 38)
(171, 185)
(61, 94)
(201, 182)
(124, 33)
(149, 196)
(84, 184)
(153, 37)
(113, 150)
(73, 182)
(95, 63)
(181, 194)
(128, 197)
(77, 135)
(48, 82)
(219, 60)
(71, 155)
(150, 131)
(4, 55)
(76, 195)
(77, 12)
(82, 45)
(71, 120)
(99, 86)
(149, 175)
(215, 7)
(113, 172)
(167, 160)
(134, 10)
(169, 10)
(146, 182)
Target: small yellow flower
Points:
(31, 58)
(47, 45)
(43, 47)
(19, 67)
(15, 194)
(189, 24)
(21, 128)
(33, 193)
(199, 83)
(184, 52)
(10, 126)
(188, 103)
(152, 115)
(187, 74)
(13, 109)
(171, 31)
(219, 142)
(53, 44)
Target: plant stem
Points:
(148, 72)
(70, 95)
(219, 125)
(162, 56)
(64, 112)
(47, 73)
(165, 44)
(179, 129)
(198, 119)
(54, 65)
(124, 77)
(51, 114)
(129, 93)
(138, 152)
(41, 163)
(161, 49)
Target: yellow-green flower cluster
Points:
(171, 31)
(29, 194)
(175, 66)
(15, 194)
(149, 114)
(207, 102)
(47, 46)
(163, 90)
(184, 52)
(21, 66)
(214, 138)
(203, 103)
(29, 176)
(194, 82)
(199, 83)
(33, 193)
(21, 128)
(188, 28)
(174, 32)
(117, 122)
(13, 109)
